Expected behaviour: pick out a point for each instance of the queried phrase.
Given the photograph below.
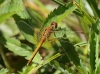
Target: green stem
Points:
(5, 59)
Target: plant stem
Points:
(5, 59)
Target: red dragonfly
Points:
(46, 34)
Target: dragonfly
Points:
(52, 28)
(46, 34)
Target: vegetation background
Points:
(73, 48)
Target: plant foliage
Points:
(69, 53)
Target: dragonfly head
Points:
(54, 24)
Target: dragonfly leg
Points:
(54, 34)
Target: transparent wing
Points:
(36, 20)
(28, 32)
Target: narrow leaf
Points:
(94, 45)
(45, 62)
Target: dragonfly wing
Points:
(35, 18)
(36, 21)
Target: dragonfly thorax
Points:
(49, 30)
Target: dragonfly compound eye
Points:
(54, 24)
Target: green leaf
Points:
(58, 14)
(3, 71)
(94, 45)
(69, 50)
(63, 32)
(9, 9)
(26, 30)
(36, 18)
(82, 69)
(60, 67)
(84, 43)
(63, 68)
(25, 70)
(94, 6)
(23, 14)
(98, 69)
(15, 46)
(19, 49)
